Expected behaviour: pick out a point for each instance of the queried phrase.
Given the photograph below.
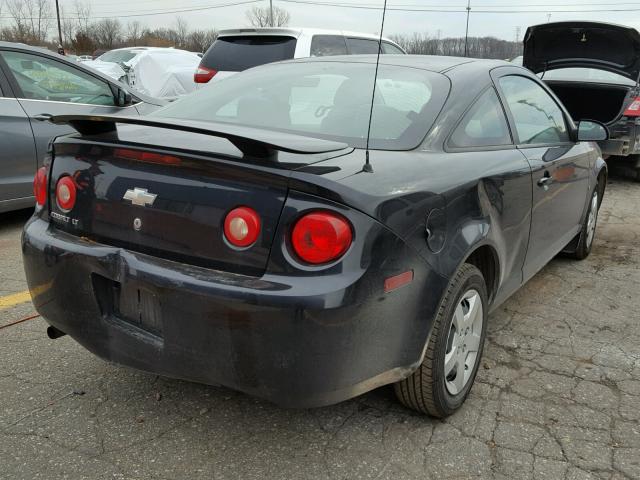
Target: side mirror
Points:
(591, 131)
(123, 98)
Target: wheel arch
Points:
(485, 258)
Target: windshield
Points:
(586, 75)
(118, 56)
(329, 100)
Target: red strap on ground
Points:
(19, 321)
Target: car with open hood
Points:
(594, 69)
(265, 236)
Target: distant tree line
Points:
(478, 47)
(32, 22)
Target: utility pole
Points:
(548, 17)
(59, 27)
(466, 35)
(270, 13)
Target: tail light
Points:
(321, 237)
(40, 186)
(66, 193)
(242, 227)
(148, 157)
(633, 110)
(203, 74)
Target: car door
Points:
(560, 166)
(482, 146)
(47, 86)
(17, 151)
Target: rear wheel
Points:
(442, 382)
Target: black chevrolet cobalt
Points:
(246, 236)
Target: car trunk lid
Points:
(170, 200)
(603, 46)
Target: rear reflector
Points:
(397, 281)
(148, 157)
(633, 110)
(321, 237)
(40, 186)
(204, 74)
(242, 227)
(66, 193)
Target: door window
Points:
(42, 78)
(328, 45)
(362, 46)
(484, 125)
(537, 117)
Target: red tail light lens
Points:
(633, 110)
(204, 74)
(40, 186)
(321, 237)
(242, 227)
(66, 193)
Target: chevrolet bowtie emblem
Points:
(140, 196)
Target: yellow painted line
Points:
(15, 299)
(23, 297)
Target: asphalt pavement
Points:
(557, 395)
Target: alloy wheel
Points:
(463, 342)
(592, 219)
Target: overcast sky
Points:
(483, 21)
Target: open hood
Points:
(604, 46)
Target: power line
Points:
(435, 9)
(163, 12)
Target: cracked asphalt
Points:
(557, 396)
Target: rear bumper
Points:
(297, 341)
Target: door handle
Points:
(42, 117)
(545, 181)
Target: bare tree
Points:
(182, 32)
(31, 20)
(107, 32)
(201, 40)
(134, 32)
(478, 47)
(83, 13)
(261, 17)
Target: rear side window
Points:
(362, 46)
(327, 45)
(388, 48)
(235, 54)
(484, 125)
(537, 117)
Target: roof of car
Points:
(296, 32)
(434, 63)
(24, 46)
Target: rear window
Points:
(238, 53)
(329, 100)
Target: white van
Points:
(239, 49)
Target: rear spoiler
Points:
(254, 142)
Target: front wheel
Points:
(588, 232)
(442, 382)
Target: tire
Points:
(588, 232)
(429, 389)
